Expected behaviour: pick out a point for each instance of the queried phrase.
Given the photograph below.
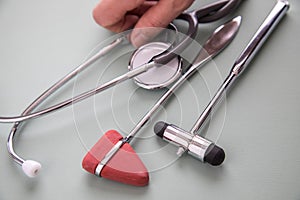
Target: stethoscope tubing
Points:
(214, 11)
(49, 92)
(209, 13)
(27, 115)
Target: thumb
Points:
(159, 15)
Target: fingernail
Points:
(139, 37)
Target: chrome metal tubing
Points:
(51, 90)
(70, 101)
(207, 111)
(80, 97)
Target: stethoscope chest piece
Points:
(159, 76)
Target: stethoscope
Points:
(206, 14)
(167, 53)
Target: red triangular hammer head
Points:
(125, 166)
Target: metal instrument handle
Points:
(260, 36)
(244, 59)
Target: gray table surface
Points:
(257, 125)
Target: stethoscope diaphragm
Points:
(159, 76)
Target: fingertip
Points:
(108, 13)
(138, 38)
(96, 13)
(156, 17)
(141, 36)
(129, 22)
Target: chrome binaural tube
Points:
(51, 90)
(25, 116)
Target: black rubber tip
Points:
(214, 155)
(160, 128)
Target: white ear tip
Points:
(31, 168)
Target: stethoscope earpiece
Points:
(31, 168)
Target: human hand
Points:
(120, 15)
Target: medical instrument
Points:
(112, 156)
(196, 145)
(208, 13)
